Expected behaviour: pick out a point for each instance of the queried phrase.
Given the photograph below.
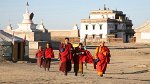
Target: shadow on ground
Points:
(137, 72)
(33, 60)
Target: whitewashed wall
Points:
(90, 30)
(100, 16)
(145, 35)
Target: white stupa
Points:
(27, 24)
(42, 27)
(75, 27)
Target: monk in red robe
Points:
(79, 58)
(39, 56)
(103, 57)
(66, 55)
(48, 55)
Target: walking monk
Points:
(103, 56)
(39, 56)
(79, 58)
(66, 55)
(48, 55)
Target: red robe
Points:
(104, 58)
(81, 57)
(86, 57)
(49, 53)
(66, 58)
(39, 54)
(89, 57)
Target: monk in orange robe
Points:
(39, 56)
(66, 55)
(102, 54)
(49, 53)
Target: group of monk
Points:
(44, 56)
(69, 55)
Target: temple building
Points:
(28, 30)
(13, 48)
(142, 33)
(106, 25)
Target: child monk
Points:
(39, 56)
(48, 55)
(79, 58)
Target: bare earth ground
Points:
(128, 66)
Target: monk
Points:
(48, 55)
(66, 55)
(39, 56)
(79, 58)
(81, 55)
(102, 55)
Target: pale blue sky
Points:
(63, 14)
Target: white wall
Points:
(100, 16)
(145, 35)
(90, 30)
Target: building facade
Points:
(102, 25)
(13, 48)
(142, 33)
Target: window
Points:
(100, 35)
(86, 36)
(116, 35)
(86, 27)
(116, 27)
(100, 26)
(93, 36)
(93, 27)
(117, 17)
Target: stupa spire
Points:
(105, 7)
(27, 9)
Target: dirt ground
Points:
(128, 66)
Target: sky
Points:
(64, 14)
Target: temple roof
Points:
(4, 36)
(144, 27)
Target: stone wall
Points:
(58, 36)
(36, 44)
(56, 40)
(42, 36)
(64, 33)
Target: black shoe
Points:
(65, 74)
(101, 75)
